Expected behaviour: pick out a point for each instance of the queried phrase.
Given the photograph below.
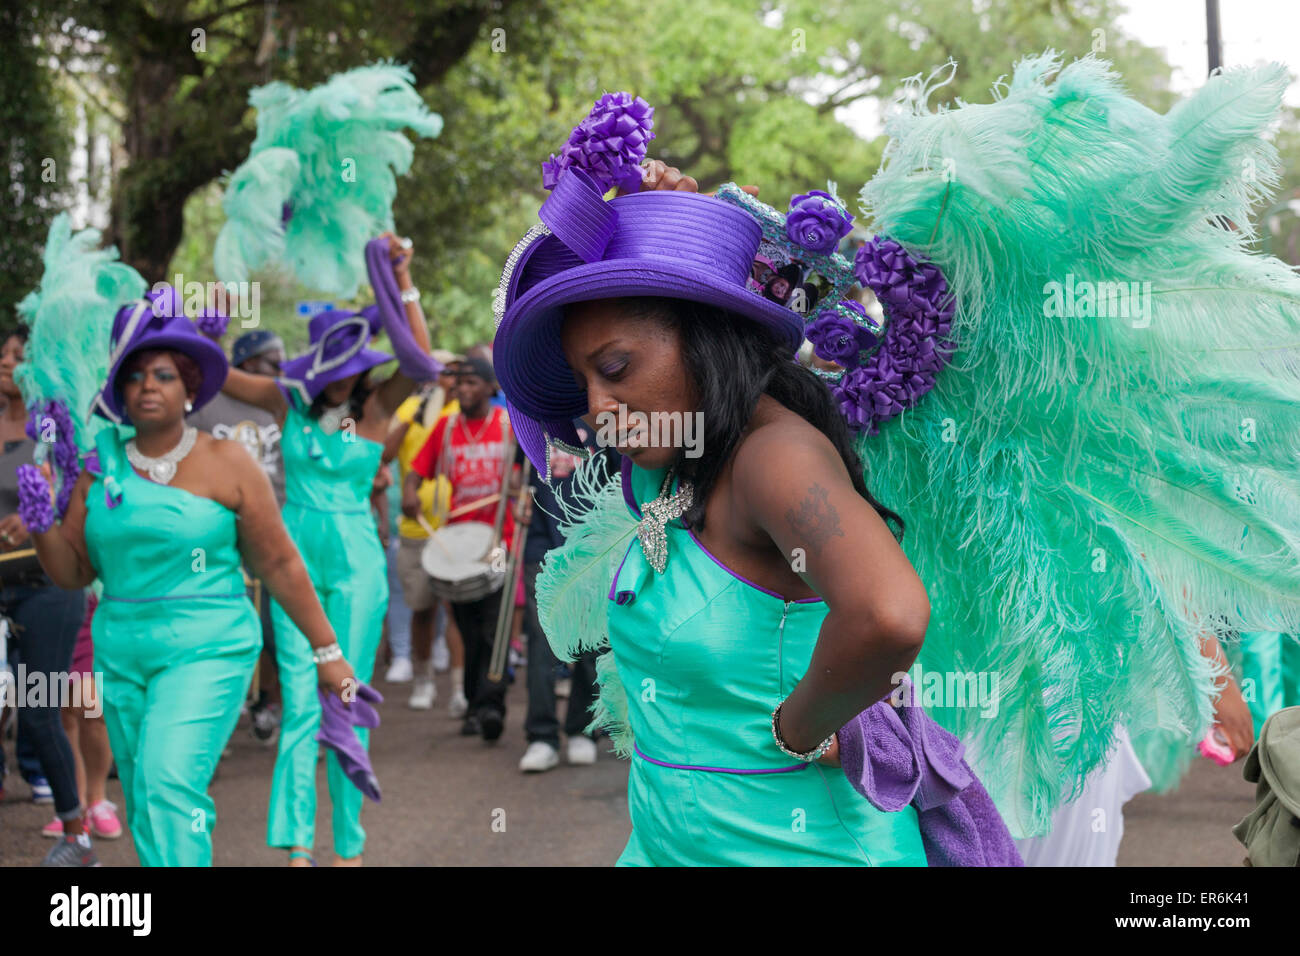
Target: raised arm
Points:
(393, 440)
(62, 549)
(259, 390)
(270, 554)
(793, 486)
(394, 391)
(388, 396)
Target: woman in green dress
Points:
(164, 520)
(763, 601)
(333, 421)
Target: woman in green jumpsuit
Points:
(164, 519)
(333, 423)
(328, 478)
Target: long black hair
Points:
(734, 361)
(361, 390)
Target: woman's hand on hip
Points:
(831, 758)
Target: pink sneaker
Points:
(53, 829)
(102, 822)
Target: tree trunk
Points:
(177, 142)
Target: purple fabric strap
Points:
(624, 596)
(412, 361)
(685, 766)
(626, 470)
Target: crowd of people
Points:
(869, 498)
(361, 473)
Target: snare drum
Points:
(461, 560)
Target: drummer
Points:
(469, 447)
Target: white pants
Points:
(1088, 829)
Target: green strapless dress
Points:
(702, 657)
(176, 639)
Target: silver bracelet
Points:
(808, 757)
(327, 654)
(411, 295)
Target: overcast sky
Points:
(1252, 31)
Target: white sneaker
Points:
(441, 656)
(423, 694)
(582, 750)
(459, 706)
(399, 672)
(540, 756)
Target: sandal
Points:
(302, 855)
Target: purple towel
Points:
(899, 756)
(388, 311)
(337, 733)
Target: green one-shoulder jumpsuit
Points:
(176, 639)
(327, 480)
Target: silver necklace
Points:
(163, 468)
(651, 529)
(332, 418)
(470, 436)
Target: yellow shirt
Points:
(431, 493)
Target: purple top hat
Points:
(338, 349)
(670, 244)
(158, 321)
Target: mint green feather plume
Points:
(1089, 490)
(333, 154)
(573, 588)
(253, 234)
(70, 318)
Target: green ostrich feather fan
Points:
(70, 318)
(327, 158)
(573, 587)
(1110, 467)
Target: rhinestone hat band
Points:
(512, 262)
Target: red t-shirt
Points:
(474, 464)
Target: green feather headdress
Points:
(1110, 467)
(327, 158)
(70, 318)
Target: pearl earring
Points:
(189, 406)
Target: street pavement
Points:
(455, 801)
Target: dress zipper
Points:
(780, 650)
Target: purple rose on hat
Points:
(817, 222)
(837, 338)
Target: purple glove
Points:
(336, 732)
(412, 361)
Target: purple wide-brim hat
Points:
(667, 244)
(338, 350)
(158, 322)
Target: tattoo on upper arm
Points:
(816, 520)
